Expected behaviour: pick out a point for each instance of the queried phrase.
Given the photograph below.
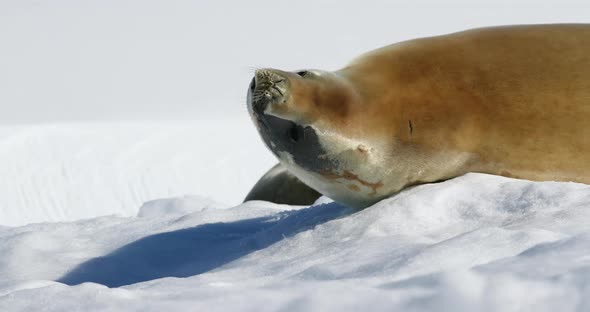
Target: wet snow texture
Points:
(477, 242)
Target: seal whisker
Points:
(278, 90)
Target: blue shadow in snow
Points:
(199, 249)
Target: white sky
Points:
(96, 60)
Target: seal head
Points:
(298, 115)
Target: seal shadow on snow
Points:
(197, 250)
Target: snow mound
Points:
(474, 243)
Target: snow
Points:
(126, 149)
(65, 172)
(477, 242)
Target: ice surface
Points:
(474, 243)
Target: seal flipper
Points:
(280, 186)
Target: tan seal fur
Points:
(511, 101)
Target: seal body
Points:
(512, 101)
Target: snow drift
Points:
(474, 243)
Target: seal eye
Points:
(302, 73)
(295, 133)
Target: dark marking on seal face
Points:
(281, 135)
(410, 126)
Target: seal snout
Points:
(268, 87)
